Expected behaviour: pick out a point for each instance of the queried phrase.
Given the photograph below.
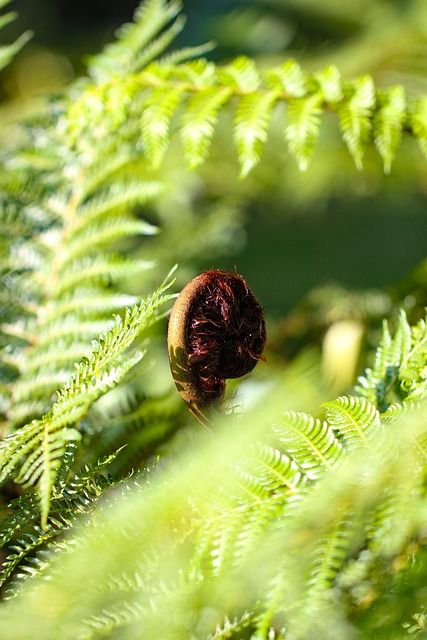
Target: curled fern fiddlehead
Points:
(216, 331)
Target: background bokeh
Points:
(328, 245)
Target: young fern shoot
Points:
(216, 331)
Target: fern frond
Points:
(413, 370)
(302, 131)
(418, 122)
(377, 381)
(229, 627)
(250, 127)
(109, 231)
(241, 74)
(399, 370)
(8, 52)
(115, 199)
(158, 110)
(198, 124)
(72, 497)
(288, 78)
(311, 442)
(355, 419)
(355, 115)
(34, 452)
(330, 83)
(388, 123)
(137, 43)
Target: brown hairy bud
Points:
(216, 331)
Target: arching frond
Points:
(138, 42)
(354, 419)
(388, 123)
(250, 127)
(34, 453)
(355, 116)
(8, 52)
(311, 442)
(198, 124)
(302, 131)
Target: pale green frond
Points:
(34, 452)
(186, 53)
(7, 52)
(196, 75)
(198, 123)
(95, 236)
(413, 369)
(228, 628)
(240, 74)
(104, 170)
(116, 199)
(72, 497)
(402, 341)
(302, 131)
(418, 122)
(310, 441)
(288, 78)
(7, 18)
(330, 83)
(85, 302)
(375, 382)
(134, 38)
(388, 122)
(97, 270)
(251, 121)
(355, 114)
(354, 419)
(37, 385)
(56, 355)
(276, 471)
(158, 109)
(67, 328)
(157, 46)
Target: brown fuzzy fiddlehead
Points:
(216, 331)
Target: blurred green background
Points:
(328, 245)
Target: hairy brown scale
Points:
(221, 334)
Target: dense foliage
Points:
(121, 518)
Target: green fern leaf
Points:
(418, 122)
(374, 385)
(85, 302)
(402, 341)
(413, 369)
(276, 471)
(114, 199)
(388, 123)
(288, 78)
(240, 74)
(302, 131)
(136, 39)
(355, 419)
(33, 454)
(72, 497)
(8, 52)
(198, 124)
(105, 233)
(250, 127)
(157, 113)
(229, 628)
(92, 270)
(329, 80)
(355, 116)
(310, 442)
